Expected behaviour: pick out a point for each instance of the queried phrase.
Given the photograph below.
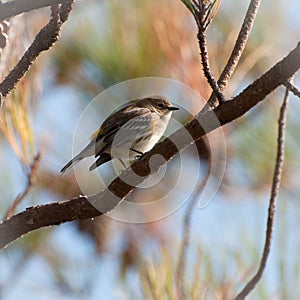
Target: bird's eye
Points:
(160, 105)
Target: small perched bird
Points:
(129, 132)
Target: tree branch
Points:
(45, 215)
(203, 12)
(16, 7)
(240, 43)
(206, 68)
(272, 204)
(80, 208)
(237, 51)
(289, 85)
(43, 41)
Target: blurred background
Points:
(104, 43)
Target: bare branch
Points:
(16, 7)
(238, 49)
(291, 87)
(80, 208)
(240, 43)
(272, 204)
(30, 179)
(206, 68)
(42, 42)
(45, 215)
(202, 12)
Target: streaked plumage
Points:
(129, 132)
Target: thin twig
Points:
(291, 87)
(240, 43)
(16, 7)
(203, 20)
(206, 68)
(237, 51)
(181, 266)
(272, 204)
(30, 180)
(202, 13)
(43, 41)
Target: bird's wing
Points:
(131, 120)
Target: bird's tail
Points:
(89, 150)
(70, 164)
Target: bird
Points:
(128, 133)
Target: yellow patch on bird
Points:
(96, 133)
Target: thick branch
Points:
(80, 208)
(16, 7)
(45, 215)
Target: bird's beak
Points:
(173, 108)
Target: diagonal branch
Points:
(240, 43)
(291, 87)
(43, 41)
(80, 208)
(16, 7)
(45, 215)
(238, 49)
(272, 204)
